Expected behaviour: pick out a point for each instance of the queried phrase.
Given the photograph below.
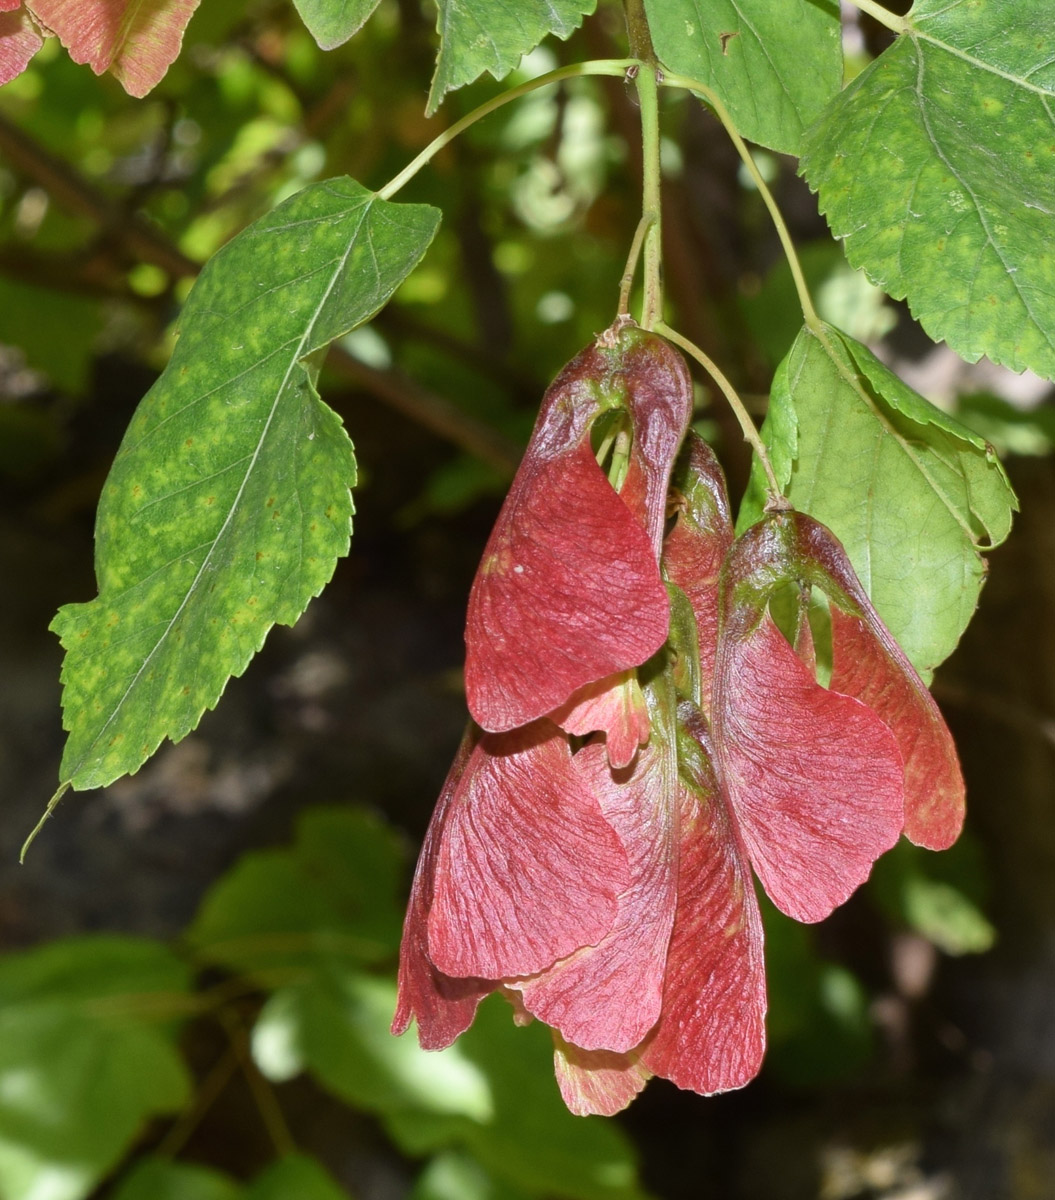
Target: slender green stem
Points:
(648, 95)
(751, 434)
(52, 805)
(631, 265)
(883, 15)
(601, 66)
(620, 460)
(722, 113)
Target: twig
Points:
(722, 113)
(432, 411)
(75, 193)
(208, 1093)
(267, 1104)
(573, 71)
(735, 403)
(134, 236)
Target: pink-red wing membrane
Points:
(711, 1035)
(568, 592)
(614, 706)
(607, 995)
(136, 42)
(869, 664)
(596, 1081)
(527, 869)
(19, 40)
(815, 779)
(443, 1007)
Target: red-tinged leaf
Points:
(614, 706)
(696, 547)
(815, 778)
(527, 869)
(568, 592)
(443, 1007)
(607, 996)
(19, 40)
(867, 663)
(711, 1036)
(135, 41)
(659, 401)
(596, 1082)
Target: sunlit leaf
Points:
(83, 1059)
(774, 66)
(332, 22)
(479, 35)
(912, 495)
(454, 1176)
(491, 1094)
(937, 167)
(336, 1025)
(228, 503)
(530, 1138)
(134, 41)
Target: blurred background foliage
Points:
(198, 966)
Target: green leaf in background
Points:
(336, 1025)
(843, 297)
(292, 1178)
(480, 35)
(939, 896)
(295, 1178)
(492, 1093)
(912, 494)
(331, 896)
(333, 22)
(937, 167)
(818, 1024)
(85, 1059)
(228, 503)
(531, 1140)
(1011, 429)
(29, 317)
(454, 1176)
(775, 66)
(159, 1179)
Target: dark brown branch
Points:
(430, 410)
(77, 195)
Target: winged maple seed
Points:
(569, 592)
(606, 890)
